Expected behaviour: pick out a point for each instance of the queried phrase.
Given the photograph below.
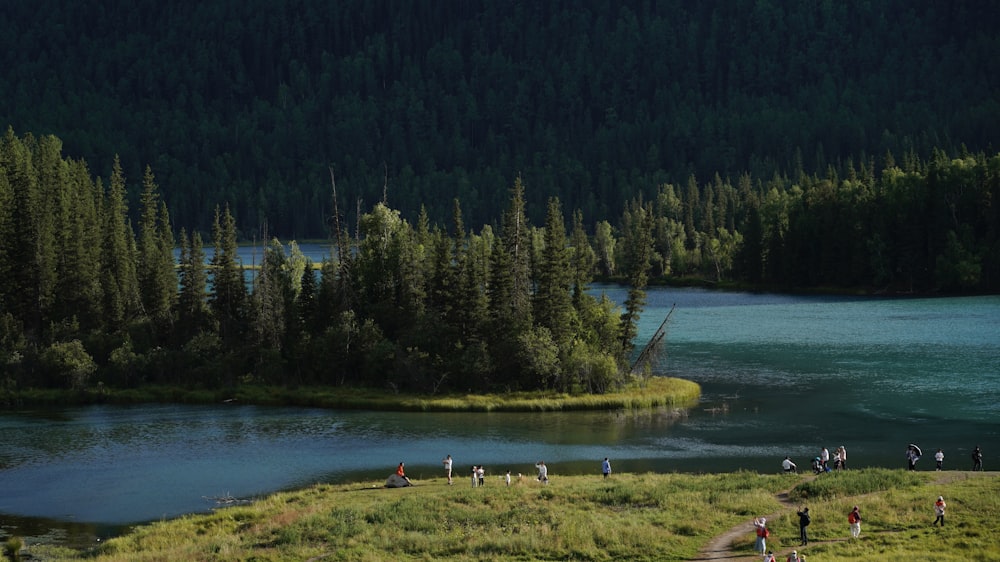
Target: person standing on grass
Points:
(824, 457)
(854, 520)
(507, 478)
(912, 456)
(977, 459)
(939, 506)
(760, 528)
(843, 457)
(606, 468)
(543, 472)
(804, 521)
(475, 476)
(939, 458)
(447, 467)
(481, 474)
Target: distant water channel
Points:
(781, 375)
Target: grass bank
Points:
(653, 392)
(627, 517)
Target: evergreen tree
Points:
(78, 284)
(228, 297)
(156, 274)
(193, 312)
(637, 230)
(553, 301)
(118, 270)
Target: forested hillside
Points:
(247, 102)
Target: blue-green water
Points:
(781, 375)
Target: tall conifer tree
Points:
(228, 297)
(118, 274)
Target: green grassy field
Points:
(627, 517)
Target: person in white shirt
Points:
(447, 467)
(787, 465)
(939, 458)
(543, 472)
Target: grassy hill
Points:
(626, 517)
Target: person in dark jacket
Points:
(804, 521)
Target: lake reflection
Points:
(780, 375)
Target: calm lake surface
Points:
(781, 375)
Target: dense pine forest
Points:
(474, 166)
(248, 102)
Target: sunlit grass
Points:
(629, 517)
(651, 393)
(654, 392)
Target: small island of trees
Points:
(94, 295)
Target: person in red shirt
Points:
(401, 474)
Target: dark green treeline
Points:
(247, 102)
(91, 297)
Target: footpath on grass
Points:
(721, 546)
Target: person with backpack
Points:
(854, 519)
(760, 525)
(804, 521)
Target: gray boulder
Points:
(396, 481)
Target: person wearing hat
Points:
(939, 506)
(769, 557)
(794, 557)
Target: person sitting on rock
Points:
(401, 474)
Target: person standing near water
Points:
(447, 467)
(606, 468)
(939, 458)
(912, 456)
(977, 459)
(543, 472)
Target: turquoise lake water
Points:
(781, 375)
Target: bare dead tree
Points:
(653, 346)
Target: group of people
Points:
(853, 522)
(820, 463)
(913, 454)
(479, 472)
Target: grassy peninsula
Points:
(627, 517)
(651, 392)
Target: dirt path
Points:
(721, 546)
